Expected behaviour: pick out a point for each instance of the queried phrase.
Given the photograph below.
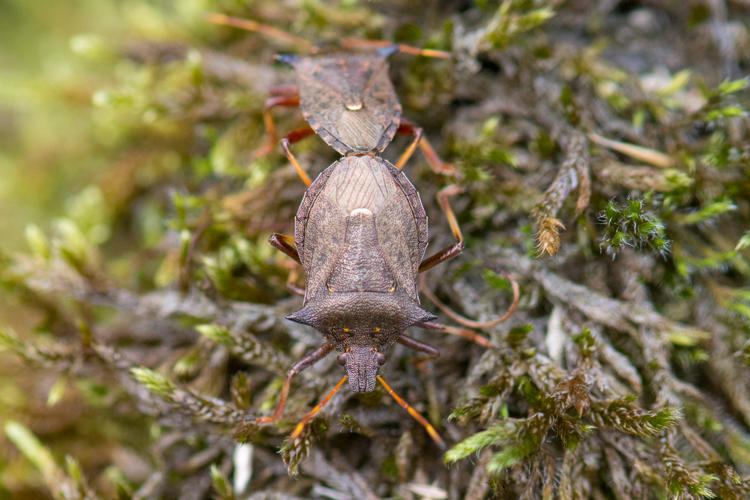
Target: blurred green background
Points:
(54, 57)
(126, 129)
(51, 64)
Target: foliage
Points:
(603, 156)
(631, 225)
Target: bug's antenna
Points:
(414, 413)
(464, 333)
(306, 419)
(360, 43)
(263, 29)
(416, 51)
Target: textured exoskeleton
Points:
(348, 100)
(361, 233)
(361, 230)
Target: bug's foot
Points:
(265, 150)
(445, 168)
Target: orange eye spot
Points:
(376, 329)
(346, 330)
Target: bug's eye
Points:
(380, 358)
(341, 359)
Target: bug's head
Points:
(362, 364)
(363, 326)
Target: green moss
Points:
(143, 310)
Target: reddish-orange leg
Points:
(446, 254)
(407, 154)
(464, 333)
(469, 322)
(416, 345)
(316, 409)
(286, 141)
(298, 134)
(284, 36)
(288, 96)
(286, 244)
(454, 250)
(283, 242)
(414, 413)
(306, 362)
(433, 160)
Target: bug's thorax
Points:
(362, 326)
(349, 100)
(360, 302)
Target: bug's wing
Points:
(324, 217)
(319, 232)
(349, 101)
(381, 98)
(402, 229)
(369, 183)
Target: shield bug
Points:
(361, 230)
(346, 97)
(361, 235)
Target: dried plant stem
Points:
(574, 172)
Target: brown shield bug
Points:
(361, 234)
(361, 230)
(347, 98)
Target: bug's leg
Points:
(448, 253)
(406, 155)
(452, 251)
(284, 89)
(291, 283)
(293, 160)
(285, 243)
(263, 29)
(418, 346)
(362, 43)
(287, 96)
(443, 255)
(414, 413)
(433, 160)
(469, 323)
(464, 333)
(316, 409)
(298, 134)
(306, 362)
